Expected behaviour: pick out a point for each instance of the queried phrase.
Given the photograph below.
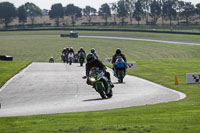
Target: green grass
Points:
(8, 69)
(158, 62)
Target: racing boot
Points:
(111, 84)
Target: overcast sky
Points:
(46, 4)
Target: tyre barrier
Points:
(6, 58)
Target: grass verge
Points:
(8, 69)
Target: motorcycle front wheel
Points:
(101, 89)
(110, 94)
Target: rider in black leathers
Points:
(92, 62)
(92, 50)
(64, 51)
(67, 50)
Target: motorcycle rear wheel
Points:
(120, 76)
(81, 63)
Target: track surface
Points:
(44, 88)
(144, 39)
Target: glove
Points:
(84, 77)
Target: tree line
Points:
(148, 10)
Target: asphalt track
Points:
(144, 39)
(46, 88)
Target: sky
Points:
(46, 4)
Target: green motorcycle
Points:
(81, 58)
(100, 82)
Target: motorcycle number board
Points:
(131, 64)
(193, 78)
(108, 60)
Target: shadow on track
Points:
(96, 99)
(119, 83)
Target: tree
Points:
(146, 8)
(122, 11)
(89, 12)
(114, 9)
(104, 11)
(7, 13)
(138, 13)
(179, 9)
(169, 10)
(56, 13)
(73, 11)
(130, 6)
(155, 11)
(163, 12)
(198, 9)
(188, 11)
(32, 11)
(22, 14)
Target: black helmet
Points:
(118, 51)
(92, 50)
(90, 57)
(81, 48)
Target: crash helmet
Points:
(118, 51)
(64, 48)
(81, 48)
(92, 50)
(67, 48)
(71, 48)
(90, 57)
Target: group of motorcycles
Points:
(97, 76)
(70, 57)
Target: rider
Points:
(67, 49)
(81, 50)
(94, 53)
(71, 50)
(64, 50)
(92, 62)
(81, 54)
(63, 55)
(118, 53)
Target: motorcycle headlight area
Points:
(92, 79)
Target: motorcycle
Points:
(70, 58)
(120, 69)
(81, 58)
(100, 82)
